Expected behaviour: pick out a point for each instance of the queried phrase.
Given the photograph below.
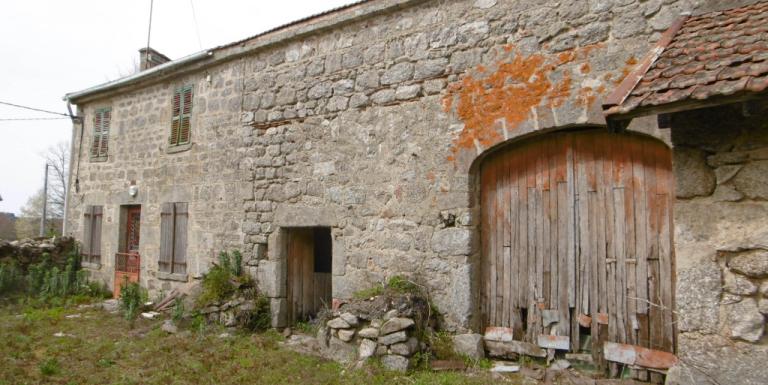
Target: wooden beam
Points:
(638, 355)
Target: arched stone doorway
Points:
(576, 234)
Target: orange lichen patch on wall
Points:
(628, 66)
(510, 91)
(585, 68)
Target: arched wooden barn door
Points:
(577, 240)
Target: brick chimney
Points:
(149, 58)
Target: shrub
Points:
(219, 282)
(132, 298)
(395, 285)
(178, 309)
(217, 285)
(260, 318)
(11, 278)
(49, 367)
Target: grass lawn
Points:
(101, 348)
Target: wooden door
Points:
(308, 277)
(577, 228)
(128, 260)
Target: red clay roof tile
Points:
(715, 54)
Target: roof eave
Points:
(616, 114)
(151, 73)
(620, 93)
(296, 29)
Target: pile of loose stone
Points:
(381, 327)
(230, 313)
(391, 338)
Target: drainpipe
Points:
(67, 190)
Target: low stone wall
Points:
(235, 312)
(383, 327)
(26, 252)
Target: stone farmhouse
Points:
(547, 169)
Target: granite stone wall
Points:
(721, 244)
(205, 174)
(374, 127)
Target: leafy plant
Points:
(49, 367)
(402, 285)
(396, 285)
(177, 313)
(217, 285)
(373, 291)
(132, 297)
(11, 278)
(198, 324)
(236, 267)
(261, 317)
(104, 363)
(219, 282)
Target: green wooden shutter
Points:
(181, 124)
(96, 134)
(101, 123)
(106, 118)
(175, 123)
(180, 239)
(166, 237)
(186, 115)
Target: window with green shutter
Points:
(182, 113)
(100, 143)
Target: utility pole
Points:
(45, 202)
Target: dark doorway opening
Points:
(309, 271)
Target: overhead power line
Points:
(23, 119)
(34, 109)
(197, 28)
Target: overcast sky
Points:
(52, 47)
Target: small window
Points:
(173, 238)
(91, 251)
(182, 113)
(100, 144)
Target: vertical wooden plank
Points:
(610, 254)
(492, 243)
(522, 253)
(620, 272)
(554, 228)
(601, 212)
(499, 238)
(531, 254)
(97, 218)
(641, 225)
(571, 230)
(504, 211)
(87, 231)
(180, 238)
(629, 146)
(166, 236)
(562, 255)
(308, 265)
(546, 242)
(289, 290)
(514, 257)
(485, 234)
